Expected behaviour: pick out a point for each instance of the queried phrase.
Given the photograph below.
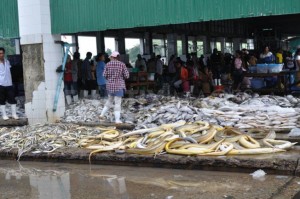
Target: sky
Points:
(87, 44)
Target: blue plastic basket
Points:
(262, 68)
(275, 68)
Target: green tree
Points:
(133, 52)
(108, 51)
(8, 45)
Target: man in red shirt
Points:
(115, 73)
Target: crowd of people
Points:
(85, 77)
(103, 73)
(195, 76)
(201, 75)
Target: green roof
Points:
(71, 16)
(9, 22)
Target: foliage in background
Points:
(133, 52)
(9, 45)
(108, 51)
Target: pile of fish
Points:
(88, 110)
(181, 138)
(45, 138)
(267, 112)
(241, 111)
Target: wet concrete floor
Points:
(36, 180)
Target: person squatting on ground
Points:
(115, 73)
(6, 87)
(181, 83)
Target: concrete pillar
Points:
(150, 40)
(147, 47)
(17, 46)
(185, 45)
(142, 46)
(120, 42)
(194, 44)
(222, 40)
(172, 45)
(236, 44)
(205, 44)
(73, 41)
(41, 57)
(76, 42)
(100, 42)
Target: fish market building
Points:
(162, 26)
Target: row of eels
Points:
(181, 138)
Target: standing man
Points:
(99, 73)
(86, 74)
(151, 64)
(216, 61)
(140, 63)
(6, 87)
(115, 73)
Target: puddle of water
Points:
(66, 181)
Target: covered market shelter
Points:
(165, 26)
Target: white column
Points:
(17, 45)
(35, 32)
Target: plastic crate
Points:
(262, 68)
(275, 68)
(257, 83)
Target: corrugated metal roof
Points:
(70, 16)
(9, 22)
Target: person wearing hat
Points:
(115, 73)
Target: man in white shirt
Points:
(6, 87)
